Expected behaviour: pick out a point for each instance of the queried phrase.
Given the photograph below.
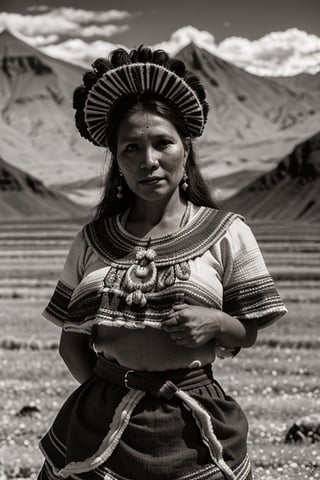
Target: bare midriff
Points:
(149, 349)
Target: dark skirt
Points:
(105, 431)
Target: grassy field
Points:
(276, 381)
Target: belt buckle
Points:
(126, 379)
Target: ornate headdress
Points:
(140, 72)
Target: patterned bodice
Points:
(143, 278)
(115, 279)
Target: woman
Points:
(156, 287)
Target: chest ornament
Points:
(145, 276)
(141, 277)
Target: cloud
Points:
(277, 53)
(185, 35)
(103, 30)
(81, 16)
(41, 40)
(65, 21)
(56, 31)
(31, 25)
(80, 52)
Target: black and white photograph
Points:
(159, 240)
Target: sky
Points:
(265, 37)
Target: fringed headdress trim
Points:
(140, 78)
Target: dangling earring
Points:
(119, 194)
(184, 184)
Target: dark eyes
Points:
(132, 147)
(164, 142)
(161, 144)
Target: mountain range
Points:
(289, 192)
(22, 195)
(37, 131)
(254, 122)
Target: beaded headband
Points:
(139, 78)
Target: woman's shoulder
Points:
(208, 226)
(219, 216)
(98, 222)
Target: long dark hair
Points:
(198, 190)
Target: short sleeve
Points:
(57, 309)
(249, 290)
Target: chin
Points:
(153, 194)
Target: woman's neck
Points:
(154, 212)
(156, 218)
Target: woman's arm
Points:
(77, 354)
(236, 333)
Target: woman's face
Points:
(151, 155)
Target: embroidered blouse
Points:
(113, 278)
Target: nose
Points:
(149, 159)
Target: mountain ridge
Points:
(24, 197)
(205, 65)
(289, 192)
(36, 105)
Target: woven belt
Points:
(160, 384)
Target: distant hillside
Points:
(250, 107)
(230, 184)
(307, 83)
(22, 196)
(84, 192)
(37, 132)
(253, 119)
(291, 191)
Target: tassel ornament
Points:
(184, 184)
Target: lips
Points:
(150, 180)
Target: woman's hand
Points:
(192, 326)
